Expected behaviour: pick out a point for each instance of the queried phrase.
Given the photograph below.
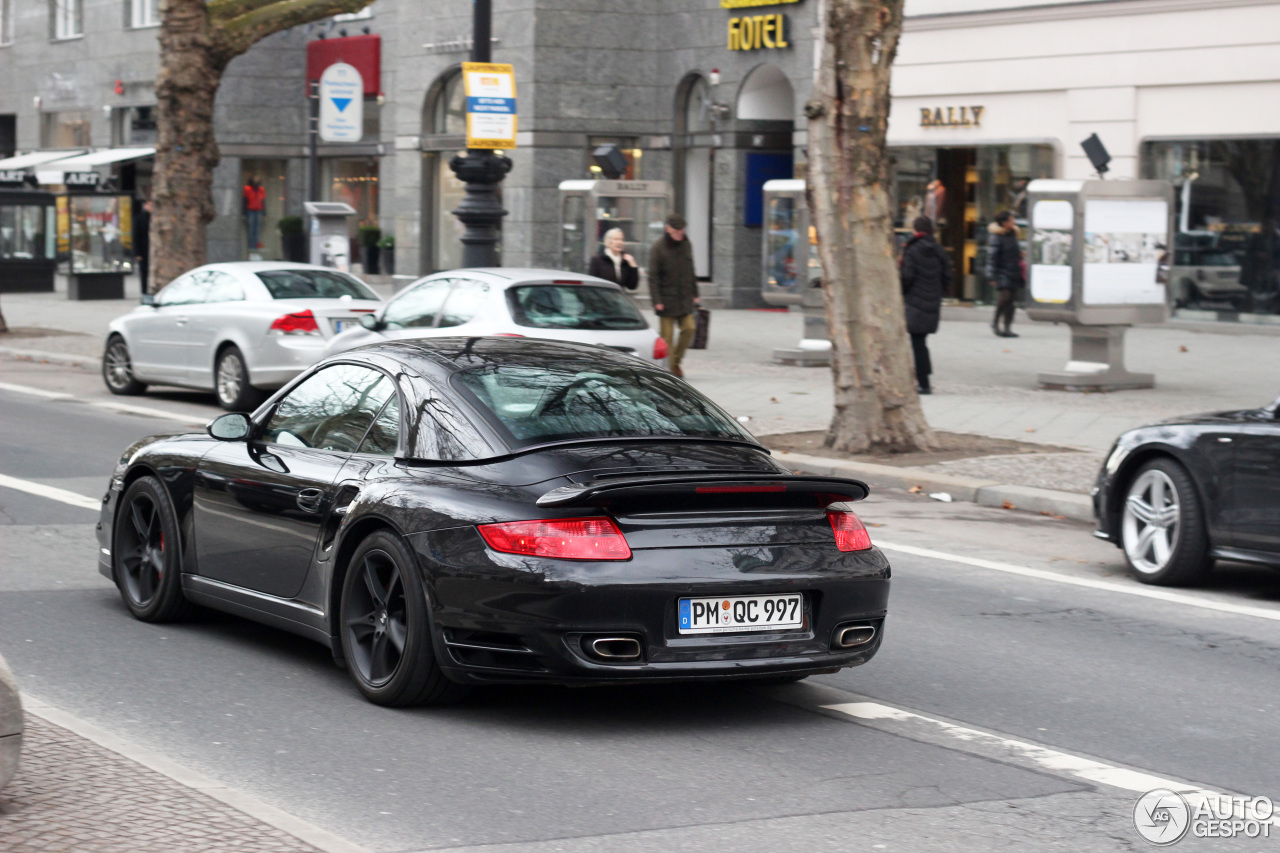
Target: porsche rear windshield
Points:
(549, 403)
(313, 284)
(572, 306)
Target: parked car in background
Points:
(237, 329)
(531, 303)
(10, 724)
(1177, 495)
(1203, 272)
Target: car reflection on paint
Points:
(511, 510)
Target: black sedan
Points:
(1180, 494)
(459, 511)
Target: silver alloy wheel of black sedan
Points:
(117, 369)
(1161, 526)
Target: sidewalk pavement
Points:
(982, 384)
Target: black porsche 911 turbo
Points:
(461, 511)
(1177, 495)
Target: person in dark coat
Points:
(1004, 270)
(613, 264)
(673, 284)
(142, 241)
(926, 277)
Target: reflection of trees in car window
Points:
(187, 290)
(418, 307)
(384, 433)
(572, 306)
(313, 284)
(463, 303)
(331, 410)
(223, 287)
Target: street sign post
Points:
(491, 105)
(341, 104)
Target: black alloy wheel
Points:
(231, 382)
(117, 369)
(1162, 526)
(385, 630)
(145, 551)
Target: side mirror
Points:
(230, 427)
(372, 323)
(147, 299)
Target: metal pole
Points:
(482, 171)
(313, 136)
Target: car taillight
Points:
(561, 538)
(301, 323)
(659, 349)
(851, 535)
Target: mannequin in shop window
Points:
(255, 205)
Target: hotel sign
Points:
(759, 31)
(951, 116)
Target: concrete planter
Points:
(10, 724)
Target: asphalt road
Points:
(1176, 689)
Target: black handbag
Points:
(701, 329)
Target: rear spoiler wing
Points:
(838, 489)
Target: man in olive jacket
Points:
(673, 284)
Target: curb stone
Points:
(52, 357)
(982, 492)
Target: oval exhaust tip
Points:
(616, 648)
(855, 635)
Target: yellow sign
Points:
(951, 116)
(491, 105)
(746, 4)
(758, 31)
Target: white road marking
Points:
(1058, 763)
(1088, 583)
(109, 405)
(50, 492)
(322, 839)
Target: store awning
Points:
(37, 158)
(104, 157)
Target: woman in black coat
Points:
(613, 264)
(926, 276)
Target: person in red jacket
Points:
(255, 205)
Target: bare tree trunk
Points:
(4, 327)
(186, 151)
(876, 406)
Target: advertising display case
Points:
(588, 209)
(1099, 258)
(791, 273)
(100, 241)
(28, 257)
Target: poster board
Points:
(1052, 238)
(1125, 241)
(491, 105)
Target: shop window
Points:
(66, 129)
(1227, 244)
(271, 176)
(629, 148)
(6, 21)
(143, 13)
(26, 232)
(101, 234)
(353, 180)
(67, 18)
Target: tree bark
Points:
(876, 406)
(198, 39)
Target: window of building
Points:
(629, 148)
(6, 21)
(8, 134)
(442, 192)
(143, 13)
(449, 112)
(1227, 245)
(68, 18)
(65, 129)
(133, 127)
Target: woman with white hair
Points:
(613, 264)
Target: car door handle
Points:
(309, 500)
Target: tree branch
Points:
(225, 10)
(238, 34)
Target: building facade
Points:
(709, 96)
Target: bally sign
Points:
(81, 179)
(951, 116)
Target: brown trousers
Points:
(667, 328)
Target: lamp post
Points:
(481, 170)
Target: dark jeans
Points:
(923, 365)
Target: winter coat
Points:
(926, 277)
(602, 267)
(1004, 258)
(673, 284)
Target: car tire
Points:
(231, 382)
(146, 553)
(1162, 526)
(385, 628)
(117, 369)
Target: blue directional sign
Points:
(341, 104)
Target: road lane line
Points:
(317, 837)
(109, 405)
(1056, 762)
(51, 492)
(1088, 583)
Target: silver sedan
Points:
(530, 303)
(237, 329)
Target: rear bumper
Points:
(502, 618)
(279, 358)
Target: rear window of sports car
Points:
(545, 404)
(313, 284)
(572, 306)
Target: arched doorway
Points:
(443, 134)
(694, 155)
(765, 109)
(766, 95)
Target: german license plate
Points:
(740, 613)
(343, 325)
